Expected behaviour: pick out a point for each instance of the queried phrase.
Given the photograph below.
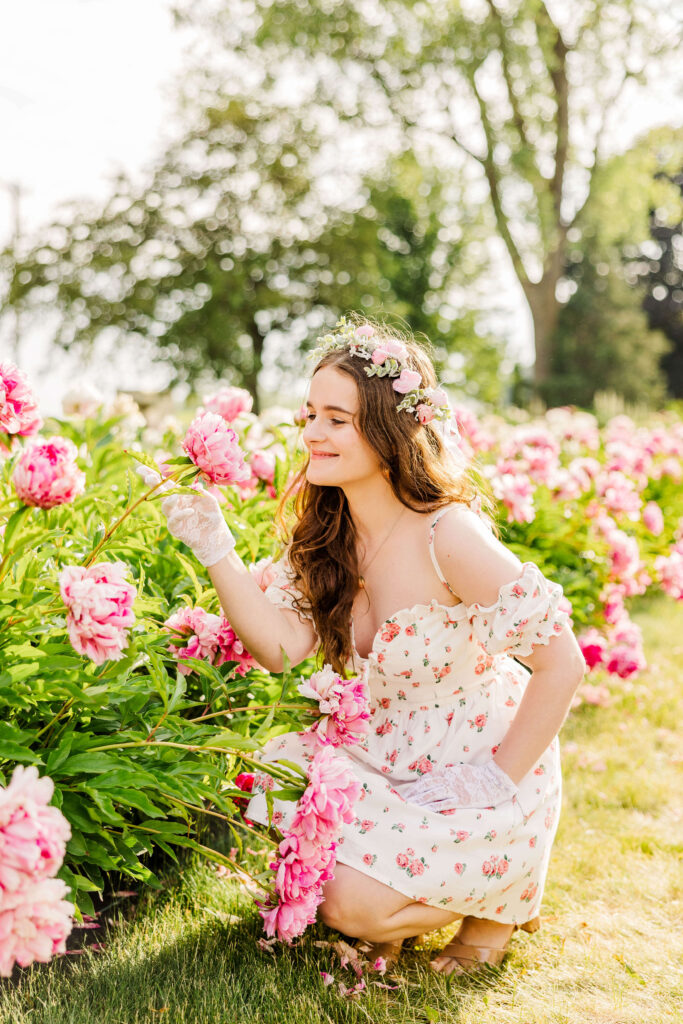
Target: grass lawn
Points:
(610, 950)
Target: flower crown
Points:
(388, 358)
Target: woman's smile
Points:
(324, 455)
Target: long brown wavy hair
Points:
(322, 553)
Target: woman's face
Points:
(339, 454)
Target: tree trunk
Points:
(251, 379)
(545, 309)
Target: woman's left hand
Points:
(461, 785)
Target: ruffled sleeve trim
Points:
(282, 592)
(524, 614)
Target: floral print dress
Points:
(444, 689)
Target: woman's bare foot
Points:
(474, 931)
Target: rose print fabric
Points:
(445, 687)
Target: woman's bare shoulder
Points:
(473, 560)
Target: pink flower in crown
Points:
(18, 409)
(229, 402)
(33, 835)
(437, 396)
(35, 921)
(407, 381)
(214, 448)
(100, 609)
(365, 331)
(425, 413)
(389, 349)
(46, 473)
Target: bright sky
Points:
(85, 89)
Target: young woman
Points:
(391, 572)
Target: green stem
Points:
(253, 707)
(223, 817)
(131, 508)
(195, 748)
(59, 714)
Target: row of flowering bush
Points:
(122, 680)
(599, 510)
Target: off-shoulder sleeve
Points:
(524, 614)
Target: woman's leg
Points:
(362, 907)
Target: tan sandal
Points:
(476, 958)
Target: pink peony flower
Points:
(598, 696)
(229, 402)
(206, 636)
(593, 647)
(328, 799)
(213, 446)
(669, 569)
(302, 865)
(35, 922)
(245, 781)
(516, 491)
(653, 518)
(425, 413)
(344, 705)
(18, 409)
(33, 835)
(263, 572)
(263, 466)
(408, 381)
(624, 661)
(100, 609)
(289, 919)
(46, 473)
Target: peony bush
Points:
(123, 683)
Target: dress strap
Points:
(432, 530)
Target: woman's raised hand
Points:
(195, 519)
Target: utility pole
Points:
(15, 191)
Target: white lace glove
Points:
(195, 519)
(462, 785)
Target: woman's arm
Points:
(197, 520)
(476, 565)
(556, 671)
(261, 626)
